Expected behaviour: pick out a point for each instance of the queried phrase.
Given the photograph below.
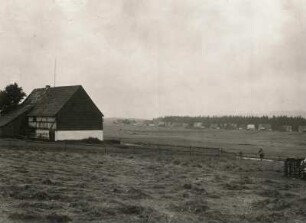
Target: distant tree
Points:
(10, 97)
(3, 99)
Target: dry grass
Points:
(46, 186)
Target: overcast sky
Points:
(148, 58)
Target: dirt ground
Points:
(62, 186)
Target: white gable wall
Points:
(78, 135)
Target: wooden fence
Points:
(295, 168)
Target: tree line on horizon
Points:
(276, 122)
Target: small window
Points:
(50, 119)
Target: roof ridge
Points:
(53, 100)
(66, 86)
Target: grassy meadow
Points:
(284, 144)
(58, 184)
(48, 186)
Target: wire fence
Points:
(117, 148)
(295, 168)
(133, 148)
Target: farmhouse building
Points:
(59, 113)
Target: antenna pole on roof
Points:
(54, 75)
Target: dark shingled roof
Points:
(43, 102)
(51, 99)
(6, 119)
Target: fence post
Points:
(286, 168)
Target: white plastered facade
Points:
(78, 135)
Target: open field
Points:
(285, 144)
(56, 183)
(62, 186)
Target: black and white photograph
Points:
(152, 111)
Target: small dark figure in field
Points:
(303, 166)
(261, 153)
(240, 154)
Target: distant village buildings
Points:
(230, 126)
(198, 125)
(264, 127)
(161, 124)
(242, 126)
(184, 123)
(251, 127)
(227, 123)
(286, 128)
(176, 125)
(214, 126)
